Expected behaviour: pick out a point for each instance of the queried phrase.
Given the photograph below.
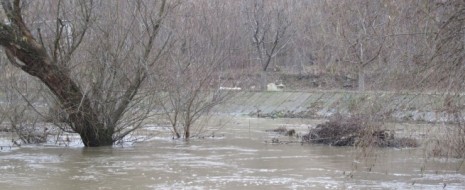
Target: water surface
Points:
(238, 156)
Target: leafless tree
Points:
(269, 28)
(96, 87)
(362, 26)
(445, 70)
(192, 74)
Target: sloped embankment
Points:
(322, 104)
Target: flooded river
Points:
(238, 156)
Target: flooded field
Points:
(239, 155)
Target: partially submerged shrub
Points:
(31, 134)
(450, 142)
(355, 131)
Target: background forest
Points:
(99, 68)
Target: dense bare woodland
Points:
(100, 68)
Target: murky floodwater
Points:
(237, 157)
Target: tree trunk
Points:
(175, 131)
(187, 134)
(96, 136)
(82, 117)
(263, 80)
(361, 80)
(187, 131)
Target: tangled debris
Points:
(283, 131)
(355, 131)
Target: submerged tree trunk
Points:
(187, 133)
(96, 136)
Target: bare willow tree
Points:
(94, 61)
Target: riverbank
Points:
(396, 107)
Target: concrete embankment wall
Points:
(320, 104)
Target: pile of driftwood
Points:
(355, 131)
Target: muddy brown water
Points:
(238, 157)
